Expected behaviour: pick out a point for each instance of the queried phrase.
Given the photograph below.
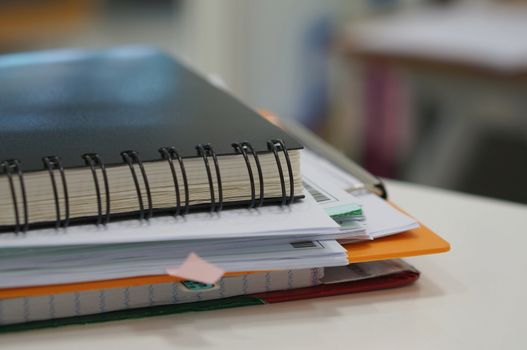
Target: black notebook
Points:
(93, 136)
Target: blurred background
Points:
(433, 92)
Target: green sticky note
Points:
(346, 210)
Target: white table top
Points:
(474, 33)
(474, 297)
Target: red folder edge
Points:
(383, 282)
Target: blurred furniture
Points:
(36, 23)
(468, 64)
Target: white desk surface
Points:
(474, 297)
(474, 33)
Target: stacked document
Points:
(137, 188)
(269, 254)
(333, 186)
(305, 234)
(302, 235)
(120, 266)
(298, 236)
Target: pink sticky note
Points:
(197, 269)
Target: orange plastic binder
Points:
(419, 241)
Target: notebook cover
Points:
(383, 282)
(415, 242)
(70, 102)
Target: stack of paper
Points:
(381, 218)
(302, 235)
(235, 240)
(87, 269)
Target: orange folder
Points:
(419, 241)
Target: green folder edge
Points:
(150, 311)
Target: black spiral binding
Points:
(169, 154)
(52, 163)
(10, 167)
(131, 157)
(206, 151)
(242, 148)
(94, 160)
(276, 146)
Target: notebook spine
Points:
(276, 146)
(132, 157)
(169, 154)
(242, 148)
(53, 164)
(94, 160)
(206, 151)
(11, 167)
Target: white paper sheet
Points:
(381, 218)
(304, 218)
(88, 264)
